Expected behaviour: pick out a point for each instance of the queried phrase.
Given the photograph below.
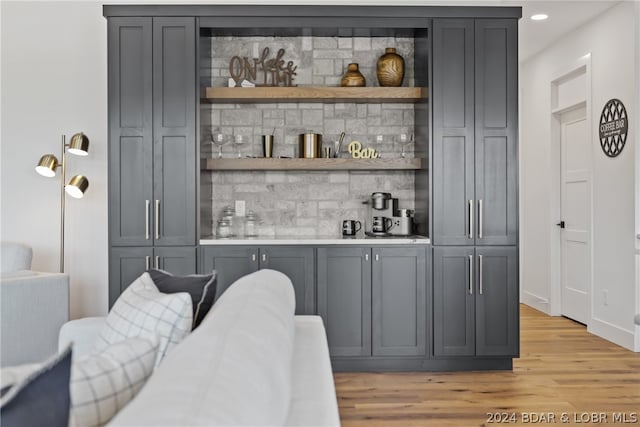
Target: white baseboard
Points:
(535, 301)
(613, 333)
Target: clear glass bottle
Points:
(251, 223)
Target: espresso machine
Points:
(385, 219)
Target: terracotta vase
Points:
(390, 68)
(353, 77)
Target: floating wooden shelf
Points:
(324, 94)
(310, 164)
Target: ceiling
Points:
(564, 16)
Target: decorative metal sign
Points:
(271, 72)
(357, 152)
(614, 125)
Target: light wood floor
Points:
(561, 369)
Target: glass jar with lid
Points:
(223, 229)
(251, 223)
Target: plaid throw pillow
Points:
(141, 310)
(103, 383)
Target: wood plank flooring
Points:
(561, 369)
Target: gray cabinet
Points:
(127, 263)
(475, 301)
(344, 299)
(474, 97)
(399, 298)
(232, 262)
(373, 300)
(152, 141)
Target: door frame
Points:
(580, 67)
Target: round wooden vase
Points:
(390, 68)
(353, 77)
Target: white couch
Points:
(34, 306)
(251, 362)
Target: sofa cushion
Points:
(15, 256)
(142, 310)
(103, 383)
(235, 369)
(41, 397)
(201, 288)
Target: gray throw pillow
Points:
(42, 398)
(201, 288)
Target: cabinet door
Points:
(178, 260)
(126, 264)
(298, 263)
(496, 157)
(453, 301)
(399, 301)
(344, 299)
(174, 139)
(130, 131)
(230, 263)
(497, 310)
(453, 128)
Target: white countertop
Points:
(319, 240)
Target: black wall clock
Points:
(614, 125)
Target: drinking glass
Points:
(239, 141)
(219, 139)
(405, 139)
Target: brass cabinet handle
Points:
(147, 205)
(480, 219)
(147, 262)
(157, 219)
(157, 261)
(480, 272)
(471, 219)
(470, 274)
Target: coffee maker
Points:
(385, 219)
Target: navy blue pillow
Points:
(43, 399)
(201, 288)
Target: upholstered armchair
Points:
(34, 306)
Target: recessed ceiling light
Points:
(539, 17)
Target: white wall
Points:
(637, 123)
(610, 39)
(54, 82)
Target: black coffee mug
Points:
(350, 227)
(381, 224)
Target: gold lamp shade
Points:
(47, 165)
(77, 186)
(79, 144)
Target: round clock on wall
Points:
(613, 127)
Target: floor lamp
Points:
(78, 184)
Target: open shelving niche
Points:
(313, 94)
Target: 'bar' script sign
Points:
(262, 71)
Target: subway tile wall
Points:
(297, 203)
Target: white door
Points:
(576, 213)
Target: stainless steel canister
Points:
(310, 145)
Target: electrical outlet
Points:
(605, 297)
(240, 208)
